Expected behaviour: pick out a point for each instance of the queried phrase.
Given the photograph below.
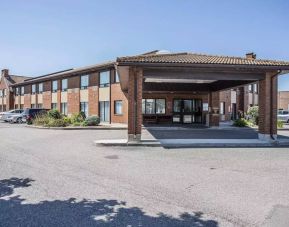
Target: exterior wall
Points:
(73, 96)
(93, 94)
(283, 100)
(226, 97)
(118, 95)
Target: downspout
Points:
(271, 105)
(135, 101)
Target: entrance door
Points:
(104, 111)
(187, 111)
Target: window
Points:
(22, 90)
(39, 106)
(222, 107)
(255, 88)
(160, 106)
(16, 106)
(64, 85)
(21, 106)
(104, 79)
(54, 106)
(153, 106)
(54, 86)
(250, 87)
(4, 108)
(5, 93)
(33, 88)
(118, 107)
(116, 77)
(84, 108)
(17, 91)
(1, 93)
(40, 88)
(64, 108)
(33, 106)
(84, 82)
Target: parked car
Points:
(30, 114)
(283, 115)
(16, 118)
(9, 113)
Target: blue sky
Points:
(39, 37)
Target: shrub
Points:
(280, 124)
(91, 121)
(241, 122)
(253, 114)
(78, 118)
(76, 123)
(41, 119)
(67, 120)
(56, 123)
(55, 114)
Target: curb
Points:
(77, 128)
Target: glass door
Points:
(177, 111)
(104, 111)
(187, 111)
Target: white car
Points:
(5, 115)
(16, 118)
(283, 115)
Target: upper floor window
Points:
(17, 91)
(22, 90)
(1, 93)
(104, 79)
(64, 85)
(84, 82)
(40, 88)
(54, 86)
(33, 88)
(116, 77)
(5, 92)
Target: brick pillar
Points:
(268, 90)
(214, 109)
(240, 100)
(135, 104)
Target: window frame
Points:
(33, 86)
(84, 87)
(66, 108)
(40, 91)
(64, 89)
(155, 105)
(116, 78)
(115, 102)
(52, 88)
(22, 91)
(104, 84)
(52, 104)
(80, 106)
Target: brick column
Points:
(268, 91)
(240, 100)
(135, 104)
(214, 109)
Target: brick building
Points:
(283, 100)
(157, 87)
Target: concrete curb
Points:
(188, 144)
(78, 128)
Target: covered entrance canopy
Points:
(190, 76)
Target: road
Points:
(59, 178)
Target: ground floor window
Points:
(153, 106)
(222, 107)
(16, 106)
(39, 105)
(118, 107)
(64, 108)
(3, 108)
(33, 106)
(54, 106)
(104, 111)
(84, 108)
(21, 106)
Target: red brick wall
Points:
(27, 101)
(117, 94)
(283, 100)
(93, 100)
(73, 96)
(46, 99)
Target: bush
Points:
(55, 114)
(280, 124)
(56, 123)
(78, 118)
(76, 123)
(241, 122)
(41, 120)
(253, 114)
(91, 121)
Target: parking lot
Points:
(59, 178)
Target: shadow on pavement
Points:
(14, 211)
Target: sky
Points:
(43, 36)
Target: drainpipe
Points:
(271, 105)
